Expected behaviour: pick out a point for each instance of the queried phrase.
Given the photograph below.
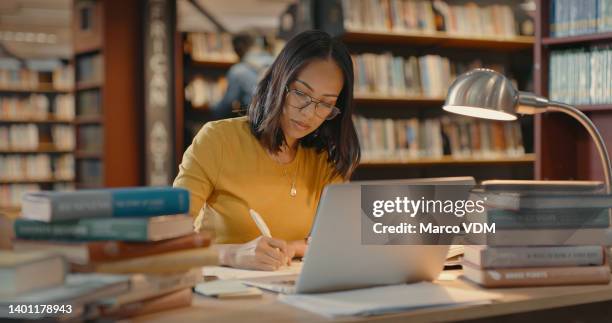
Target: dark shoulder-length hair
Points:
(337, 136)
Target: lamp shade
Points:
(483, 93)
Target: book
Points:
(543, 218)
(541, 201)
(548, 187)
(543, 276)
(84, 253)
(91, 229)
(147, 286)
(18, 271)
(517, 257)
(78, 290)
(166, 263)
(51, 206)
(176, 299)
(542, 237)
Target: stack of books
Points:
(143, 234)
(546, 233)
(35, 285)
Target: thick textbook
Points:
(543, 276)
(16, 271)
(84, 253)
(51, 206)
(549, 256)
(92, 229)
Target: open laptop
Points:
(337, 260)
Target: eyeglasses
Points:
(301, 100)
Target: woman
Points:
(297, 138)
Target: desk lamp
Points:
(484, 93)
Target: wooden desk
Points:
(542, 304)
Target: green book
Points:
(93, 229)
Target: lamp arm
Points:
(593, 132)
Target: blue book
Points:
(49, 206)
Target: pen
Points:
(261, 224)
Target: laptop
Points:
(337, 260)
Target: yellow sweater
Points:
(228, 169)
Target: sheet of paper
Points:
(233, 273)
(387, 299)
(223, 288)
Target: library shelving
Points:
(563, 148)
(440, 51)
(108, 126)
(36, 115)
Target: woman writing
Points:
(297, 138)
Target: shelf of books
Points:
(405, 55)
(573, 56)
(36, 131)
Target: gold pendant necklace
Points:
(293, 191)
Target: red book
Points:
(83, 253)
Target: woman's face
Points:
(320, 80)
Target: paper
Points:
(226, 288)
(233, 273)
(387, 299)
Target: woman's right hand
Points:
(262, 253)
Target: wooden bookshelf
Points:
(48, 120)
(80, 154)
(112, 38)
(448, 160)
(563, 148)
(373, 99)
(439, 39)
(42, 149)
(84, 120)
(89, 86)
(35, 181)
(603, 37)
(42, 89)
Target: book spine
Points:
(116, 250)
(543, 237)
(504, 219)
(149, 202)
(543, 276)
(87, 229)
(571, 256)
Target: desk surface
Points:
(268, 309)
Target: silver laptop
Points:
(337, 260)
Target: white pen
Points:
(261, 224)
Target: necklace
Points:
(293, 191)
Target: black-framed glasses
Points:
(301, 100)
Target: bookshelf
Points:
(205, 57)
(563, 148)
(108, 125)
(376, 30)
(36, 132)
